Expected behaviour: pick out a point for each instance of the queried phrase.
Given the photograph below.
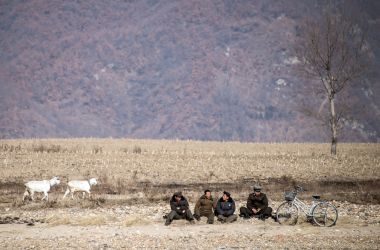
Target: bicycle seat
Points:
(317, 197)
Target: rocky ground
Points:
(142, 226)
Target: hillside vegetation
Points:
(201, 70)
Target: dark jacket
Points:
(256, 202)
(225, 208)
(204, 205)
(180, 206)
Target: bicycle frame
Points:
(302, 206)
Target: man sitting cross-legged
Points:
(257, 205)
(225, 208)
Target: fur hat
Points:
(178, 194)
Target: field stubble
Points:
(137, 178)
(153, 169)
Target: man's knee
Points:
(268, 211)
(244, 212)
(221, 217)
(231, 218)
(172, 215)
(197, 216)
(210, 218)
(189, 215)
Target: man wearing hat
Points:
(205, 206)
(179, 209)
(257, 205)
(225, 208)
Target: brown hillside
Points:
(208, 70)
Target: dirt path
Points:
(251, 234)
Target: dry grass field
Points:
(137, 178)
(184, 161)
(148, 165)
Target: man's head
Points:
(226, 195)
(207, 193)
(178, 196)
(257, 189)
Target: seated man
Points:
(179, 209)
(257, 205)
(204, 207)
(225, 208)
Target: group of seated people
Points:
(223, 208)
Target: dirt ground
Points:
(250, 236)
(142, 227)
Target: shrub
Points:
(10, 148)
(41, 148)
(97, 149)
(137, 150)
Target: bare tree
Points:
(334, 50)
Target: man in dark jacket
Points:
(205, 207)
(257, 205)
(225, 208)
(179, 209)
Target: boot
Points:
(197, 217)
(261, 217)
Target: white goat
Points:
(40, 187)
(84, 186)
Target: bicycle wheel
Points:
(287, 214)
(325, 214)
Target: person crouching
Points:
(179, 209)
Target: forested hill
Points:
(205, 70)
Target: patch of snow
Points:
(367, 92)
(292, 60)
(281, 16)
(281, 82)
(227, 53)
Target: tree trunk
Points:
(334, 125)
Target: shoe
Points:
(192, 222)
(261, 217)
(167, 223)
(198, 218)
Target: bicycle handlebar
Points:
(299, 189)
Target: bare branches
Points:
(333, 50)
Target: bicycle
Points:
(321, 212)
